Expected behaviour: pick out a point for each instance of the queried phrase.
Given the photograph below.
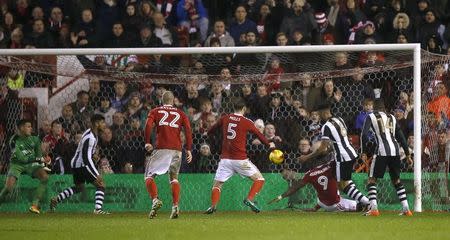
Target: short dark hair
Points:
(22, 122)
(81, 93)
(56, 122)
(97, 118)
(322, 107)
(238, 104)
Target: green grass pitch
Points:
(225, 225)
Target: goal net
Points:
(281, 87)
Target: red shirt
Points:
(168, 121)
(323, 180)
(234, 135)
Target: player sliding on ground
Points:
(334, 133)
(387, 135)
(169, 122)
(83, 167)
(321, 177)
(234, 128)
(26, 156)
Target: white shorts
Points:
(227, 168)
(161, 161)
(345, 205)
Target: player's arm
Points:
(148, 130)
(323, 149)
(18, 152)
(188, 135)
(364, 131)
(297, 185)
(401, 138)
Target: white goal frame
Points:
(275, 49)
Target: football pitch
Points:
(225, 225)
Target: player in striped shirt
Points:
(387, 134)
(233, 159)
(334, 133)
(83, 167)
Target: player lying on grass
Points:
(321, 177)
(26, 157)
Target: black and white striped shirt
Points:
(335, 131)
(85, 151)
(387, 132)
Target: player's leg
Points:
(174, 184)
(14, 172)
(8, 188)
(99, 195)
(347, 205)
(394, 172)
(223, 173)
(248, 169)
(344, 178)
(78, 180)
(42, 176)
(157, 163)
(377, 169)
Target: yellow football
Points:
(276, 156)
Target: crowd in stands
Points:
(283, 111)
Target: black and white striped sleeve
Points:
(365, 130)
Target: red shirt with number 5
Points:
(234, 135)
(168, 121)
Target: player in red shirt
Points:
(323, 179)
(234, 158)
(168, 121)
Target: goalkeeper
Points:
(26, 157)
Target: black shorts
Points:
(82, 175)
(344, 170)
(379, 164)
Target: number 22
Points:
(172, 123)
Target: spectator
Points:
(134, 106)
(251, 39)
(94, 92)
(57, 146)
(282, 39)
(56, 21)
(399, 113)
(268, 21)
(219, 98)
(299, 39)
(199, 119)
(120, 98)
(203, 160)
(109, 149)
(15, 79)
(330, 95)
(8, 25)
(146, 10)
(106, 110)
(119, 127)
(241, 24)
(300, 20)
(272, 77)
(131, 20)
(314, 127)
(324, 27)
(119, 38)
(367, 109)
(85, 32)
(63, 39)
(191, 96)
(348, 19)
(17, 40)
(165, 7)
(165, 32)
(401, 26)
(158, 64)
(260, 106)
(134, 148)
(192, 15)
(22, 11)
(82, 109)
(147, 38)
(430, 27)
(39, 37)
(219, 32)
(440, 105)
(367, 34)
(434, 45)
(68, 121)
(107, 14)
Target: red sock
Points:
(152, 189)
(175, 191)
(256, 187)
(215, 196)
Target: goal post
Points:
(413, 49)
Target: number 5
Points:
(231, 131)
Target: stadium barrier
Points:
(127, 193)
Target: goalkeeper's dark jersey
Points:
(25, 149)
